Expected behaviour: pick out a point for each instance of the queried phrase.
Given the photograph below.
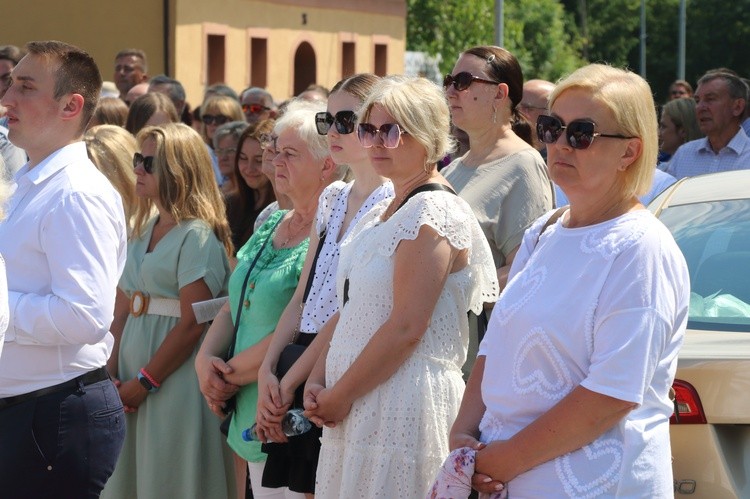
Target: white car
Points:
(709, 216)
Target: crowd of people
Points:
(168, 275)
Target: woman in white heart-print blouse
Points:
(569, 394)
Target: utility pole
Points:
(681, 42)
(499, 31)
(643, 39)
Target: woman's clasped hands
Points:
(323, 406)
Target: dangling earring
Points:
(494, 113)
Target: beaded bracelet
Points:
(150, 378)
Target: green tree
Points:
(607, 29)
(536, 31)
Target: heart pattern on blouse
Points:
(490, 428)
(519, 291)
(602, 458)
(609, 242)
(540, 368)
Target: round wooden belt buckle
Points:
(138, 303)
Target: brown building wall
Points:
(103, 27)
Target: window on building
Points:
(215, 62)
(347, 59)
(258, 62)
(381, 59)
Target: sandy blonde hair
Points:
(187, 187)
(224, 105)
(420, 108)
(111, 149)
(629, 99)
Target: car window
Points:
(715, 239)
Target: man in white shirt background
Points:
(61, 420)
(720, 108)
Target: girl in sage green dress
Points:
(177, 255)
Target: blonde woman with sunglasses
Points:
(177, 257)
(569, 396)
(387, 385)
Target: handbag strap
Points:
(230, 353)
(422, 188)
(425, 188)
(551, 220)
(308, 284)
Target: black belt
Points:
(89, 378)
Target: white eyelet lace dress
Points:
(395, 438)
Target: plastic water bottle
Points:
(293, 424)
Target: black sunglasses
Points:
(146, 161)
(344, 121)
(463, 80)
(579, 133)
(219, 119)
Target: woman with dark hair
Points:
(502, 176)
(254, 190)
(151, 109)
(225, 147)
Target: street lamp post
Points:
(681, 42)
(499, 23)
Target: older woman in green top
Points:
(303, 169)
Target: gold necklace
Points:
(396, 203)
(291, 234)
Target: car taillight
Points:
(688, 407)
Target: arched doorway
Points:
(304, 67)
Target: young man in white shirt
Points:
(61, 420)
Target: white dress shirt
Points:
(697, 157)
(64, 241)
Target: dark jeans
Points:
(61, 445)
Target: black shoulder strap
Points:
(311, 275)
(425, 188)
(240, 305)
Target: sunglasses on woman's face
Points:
(389, 133)
(579, 133)
(254, 108)
(219, 119)
(344, 121)
(146, 161)
(463, 80)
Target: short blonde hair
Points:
(220, 104)
(420, 108)
(187, 187)
(111, 149)
(629, 98)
